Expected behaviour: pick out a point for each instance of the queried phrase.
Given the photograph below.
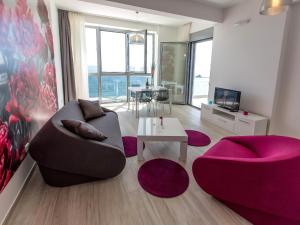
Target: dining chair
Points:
(144, 97)
(162, 97)
(133, 95)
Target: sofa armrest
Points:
(268, 146)
(62, 150)
(107, 110)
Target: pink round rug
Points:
(198, 139)
(130, 146)
(163, 178)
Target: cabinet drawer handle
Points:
(243, 121)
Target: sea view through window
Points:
(119, 66)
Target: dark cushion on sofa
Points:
(84, 129)
(90, 109)
(107, 124)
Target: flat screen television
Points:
(227, 99)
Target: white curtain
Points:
(77, 25)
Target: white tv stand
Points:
(235, 122)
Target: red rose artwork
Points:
(4, 24)
(43, 12)
(25, 33)
(49, 38)
(29, 97)
(49, 76)
(5, 155)
(24, 91)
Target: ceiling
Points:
(129, 15)
(144, 16)
(220, 3)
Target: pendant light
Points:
(137, 38)
(274, 7)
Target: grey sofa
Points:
(65, 158)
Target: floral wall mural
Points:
(28, 95)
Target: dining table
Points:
(138, 90)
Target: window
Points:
(93, 86)
(139, 80)
(92, 63)
(150, 53)
(91, 50)
(136, 54)
(113, 88)
(201, 61)
(114, 63)
(113, 52)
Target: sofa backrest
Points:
(271, 146)
(71, 111)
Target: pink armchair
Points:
(256, 176)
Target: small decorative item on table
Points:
(210, 102)
(161, 120)
(246, 113)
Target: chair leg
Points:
(160, 108)
(161, 112)
(132, 100)
(147, 109)
(153, 108)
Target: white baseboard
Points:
(11, 192)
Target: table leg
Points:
(140, 149)
(183, 151)
(136, 106)
(129, 100)
(170, 100)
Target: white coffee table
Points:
(150, 129)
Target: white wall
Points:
(247, 57)
(203, 25)
(286, 118)
(118, 23)
(165, 33)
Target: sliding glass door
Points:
(173, 69)
(116, 61)
(200, 71)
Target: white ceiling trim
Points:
(185, 8)
(220, 3)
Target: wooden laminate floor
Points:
(121, 200)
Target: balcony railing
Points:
(114, 88)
